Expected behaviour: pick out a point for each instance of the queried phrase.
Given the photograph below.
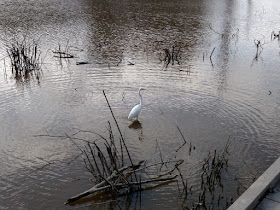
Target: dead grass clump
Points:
(24, 57)
(210, 195)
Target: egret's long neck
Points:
(140, 97)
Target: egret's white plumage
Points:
(136, 109)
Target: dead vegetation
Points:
(111, 165)
(60, 53)
(210, 195)
(275, 35)
(25, 58)
(114, 173)
(171, 56)
(259, 48)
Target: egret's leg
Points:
(137, 118)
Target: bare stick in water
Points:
(183, 139)
(118, 127)
(211, 55)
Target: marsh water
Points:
(234, 94)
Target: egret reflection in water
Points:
(136, 125)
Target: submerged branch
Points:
(120, 185)
(101, 184)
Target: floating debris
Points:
(82, 63)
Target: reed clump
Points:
(209, 196)
(24, 57)
(172, 56)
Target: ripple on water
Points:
(208, 104)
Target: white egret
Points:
(136, 109)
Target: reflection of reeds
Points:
(24, 57)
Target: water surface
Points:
(234, 94)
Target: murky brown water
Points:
(228, 97)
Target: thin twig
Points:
(211, 55)
(183, 139)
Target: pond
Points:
(221, 82)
